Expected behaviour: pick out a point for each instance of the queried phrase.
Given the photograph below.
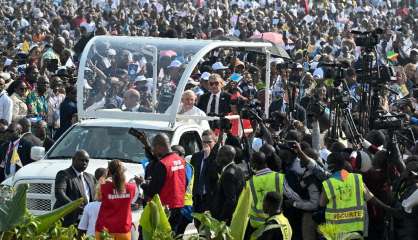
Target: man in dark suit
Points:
(215, 102)
(230, 186)
(205, 173)
(27, 134)
(72, 184)
(10, 164)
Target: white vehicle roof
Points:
(161, 65)
(142, 124)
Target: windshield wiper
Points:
(58, 157)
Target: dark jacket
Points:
(210, 175)
(67, 109)
(31, 138)
(24, 154)
(230, 186)
(68, 187)
(224, 103)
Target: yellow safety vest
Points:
(260, 185)
(280, 222)
(346, 206)
(188, 195)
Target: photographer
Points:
(405, 193)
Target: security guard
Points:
(186, 211)
(344, 195)
(276, 226)
(264, 181)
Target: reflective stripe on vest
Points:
(188, 195)
(280, 222)
(257, 216)
(345, 210)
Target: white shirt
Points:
(89, 218)
(218, 96)
(54, 102)
(195, 111)
(6, 107)
(85, 186)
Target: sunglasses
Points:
(213, 83)
(207, 142)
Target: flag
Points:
(392, 56)
(241, 214)
(15, 159)
(25, 47)
(306, 6)
(154, 217)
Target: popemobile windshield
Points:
(158, 68)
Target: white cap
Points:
(193, 82)
(111, 52)
(140, 78)
(175, 64)
(218, 66)
(37, 13)
(205, 76)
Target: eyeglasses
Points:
(213, 83)
(207, 142)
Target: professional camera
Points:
(315, 107)
(251, 109)
(378, 75)
(393, 122)
(367, 39)
(277, 120)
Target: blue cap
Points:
(235, 77)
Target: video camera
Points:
(367, 39)
(378, 75)
(392, 122)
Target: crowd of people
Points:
(303, 167)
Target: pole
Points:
(267, 90)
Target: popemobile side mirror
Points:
(37, 153)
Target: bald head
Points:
(26, 124)
(59, 45)
(131, 98)
(161, 145)
(225, 155)
(80, 160)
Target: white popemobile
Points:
(103, 129)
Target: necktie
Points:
(83, 190)
(202, 176)
(213, 104)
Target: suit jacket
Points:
(68, 187)
(230, 186)
(210, 176)
(24, 154)
(224, 103)
(34, 140)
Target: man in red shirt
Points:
(167, 177)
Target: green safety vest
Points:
(188, 195)
(346, 206)
(280, 222)
(260, 185)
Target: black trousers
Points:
(201, 203)
(177, 221)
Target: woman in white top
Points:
(188, 107)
